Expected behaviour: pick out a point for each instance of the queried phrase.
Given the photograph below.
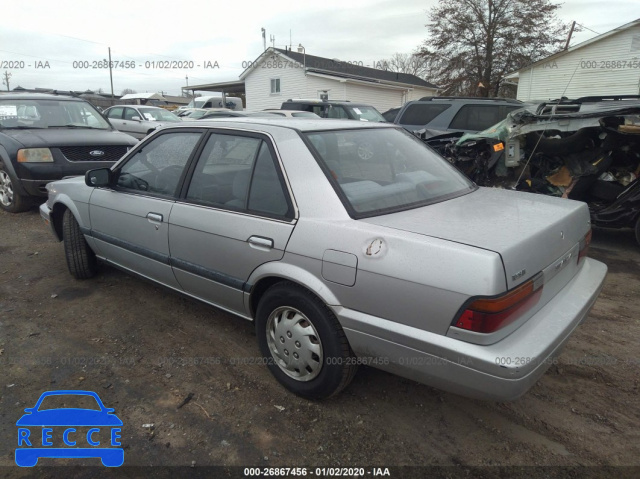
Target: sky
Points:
(64, 44)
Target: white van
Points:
(232, 103)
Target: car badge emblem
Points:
(96, 153)
(518, 274)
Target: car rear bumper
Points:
(501, 371)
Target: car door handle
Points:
(157, 217)
(260, 241)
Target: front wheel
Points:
(10, 200)
(303, 342)
(81, 260)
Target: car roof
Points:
(137, 106)
(469, 99)
(38, 96)
(301, 124)
(328, 102)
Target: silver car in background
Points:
(137, 120)
(347, 244)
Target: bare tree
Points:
(127, 91)
(5, 80)
(473, 44)
(411, 63)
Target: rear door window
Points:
(239, 173)
(477, 117)
(421, 113)
(115, 113)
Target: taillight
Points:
(486, 315)
(584, 245)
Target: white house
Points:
(277, 75)
(608, 64)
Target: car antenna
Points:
(546, 126)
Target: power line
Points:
(587, 28)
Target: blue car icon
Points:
(34, 443)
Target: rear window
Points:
(480, 117)
(377, 171)
(421, 114)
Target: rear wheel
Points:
(303, 342)
(10, 200)
(81, 260)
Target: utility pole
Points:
(7, 75)
(264, 38)
(110, 74)
(573, 25)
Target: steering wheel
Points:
(167, 179)
(365, 150)
(127, 180)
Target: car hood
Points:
(529, 231)
(69, 417)
(45, 138)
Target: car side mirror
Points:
(136, 118)
(98, 177)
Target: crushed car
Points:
(586, 149)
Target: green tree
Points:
(473, 44)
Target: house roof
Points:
(578, 46)
(342, 69)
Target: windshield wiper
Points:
(71, 125)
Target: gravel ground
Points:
(144, 350)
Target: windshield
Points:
(157, 114)
(197, 114)
(197, 102)
(365, 113)
(27, 114)
(377, 171)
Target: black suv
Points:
(442, 114)
(341, 110)
(44, 138)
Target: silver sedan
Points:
(346, 244)
(137, 120)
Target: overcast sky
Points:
(46, 43)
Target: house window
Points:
(275, 85)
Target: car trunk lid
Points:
(528, 231)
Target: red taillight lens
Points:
(584, 245)
(486, 315)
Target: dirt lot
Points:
(137, 346)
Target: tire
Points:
(10, 200)
(314, 332)
(81, 260)
(637, 229)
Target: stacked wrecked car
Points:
(586, 149)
